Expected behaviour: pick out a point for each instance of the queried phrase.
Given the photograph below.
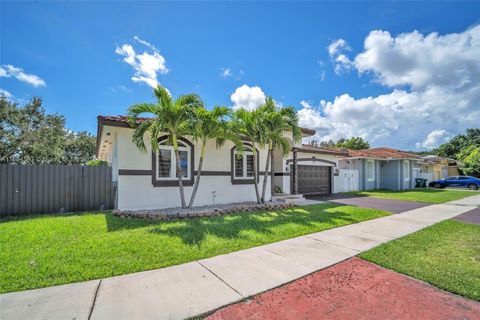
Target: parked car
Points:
(471, 183)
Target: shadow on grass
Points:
(194, 231)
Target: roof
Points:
(382, 153)
(123, 121)
(313, 149)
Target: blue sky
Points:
(75, 52)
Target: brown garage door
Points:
(314, 179)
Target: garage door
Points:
(313, 179)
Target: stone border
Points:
(212, 212)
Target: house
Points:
(381, 168)
(433, 167)
(148, 180)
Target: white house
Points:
(148, 180)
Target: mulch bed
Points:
(354, 289)
(202, 211)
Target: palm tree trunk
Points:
(272, 182)
(255, 175)
(199, 174)
(179, 171)
(265, 174)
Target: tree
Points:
(170, 116)
(276, 121)
(249, 125)
(466, 149)
(30, 136)
(79, 148)
(207, 125)
(355, 143)
(452, 148)
(470, 160)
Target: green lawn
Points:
(51, 250)
(446, 255)
(420, 195)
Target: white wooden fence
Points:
(346, 181)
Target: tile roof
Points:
(384, 153)
(309, 148)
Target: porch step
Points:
(288, 198)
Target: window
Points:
(370, 170)
(243, 164)
(166, 161)
(406, 170)
(463, 178)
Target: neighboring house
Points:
(148, 180)
(381, 168)
(433, 167)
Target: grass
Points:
(420, 195)
(51, 250)
(445, 255)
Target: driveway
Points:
(395, 206)
(354, 289)
(472, 216)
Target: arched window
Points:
(166, 160)
(242, 165)
(243, 168)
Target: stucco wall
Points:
(137, 191)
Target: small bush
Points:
(96, 163)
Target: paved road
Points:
(199, 287)
(395, 206)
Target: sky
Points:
(399, 74)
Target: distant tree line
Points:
(28, 135)
(465, 148)
(354, 143)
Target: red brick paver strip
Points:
(354, 289)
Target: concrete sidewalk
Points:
(195, 288)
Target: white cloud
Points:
(226, 73)
(417, 60)
(433, 139)
(7, 94)
(147, 65)
(336, 50)
(440, 76)
(337, 46)
(11, 71)
(247, 97)
(229, 73)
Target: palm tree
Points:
(249, 125)
(277, 121)
(170, 116)
(207, 125)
